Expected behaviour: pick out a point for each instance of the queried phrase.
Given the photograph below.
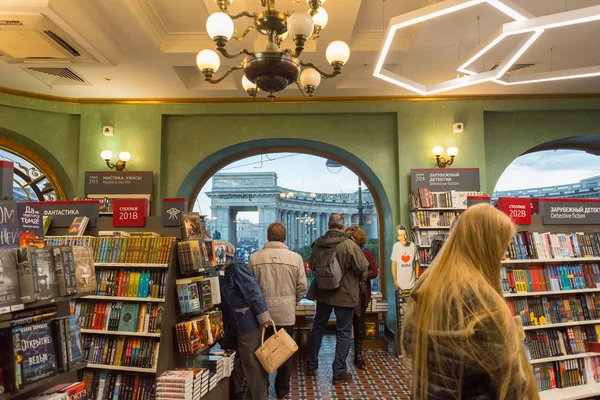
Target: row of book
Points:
(120, 316)
(560, 374)
(539, 311)
(199, 333)
(560, 341)
(426, 238)
(39, 349)
(122, 351)
(29, 274)
(550, 278)
(128, 283)
(419, 219)
(198, 293)
(533, 245)
(198, 255)
(187, 384)
(118, 386)
(425, 198)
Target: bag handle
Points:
(262, 343)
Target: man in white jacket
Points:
(282, 278)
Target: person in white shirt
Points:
(403, 258)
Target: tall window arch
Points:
(34, 179)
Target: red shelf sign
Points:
(517, 208)
(130, 212)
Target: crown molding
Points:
(149, 18)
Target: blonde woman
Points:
(459, 338)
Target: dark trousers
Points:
(343, 328)
(256, 376)
(284, 372)
(358, 322)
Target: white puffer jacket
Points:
(282, 278)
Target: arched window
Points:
(34, 179)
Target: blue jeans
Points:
(343, 328)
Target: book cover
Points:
(9, 278)
(59, 271)
(129, 317)
(9, 224)
(47, 222)
(27, 274)
(216, 324)
(190, 225)
(206, 294)
(220, 253)
(76, 353)
(78, 226)
(31, 225)
(38, 354)
(85, 272)
(370, 330)
(46, 273)
(68, 264)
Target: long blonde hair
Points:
(460, 295)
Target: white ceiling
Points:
(147, 48)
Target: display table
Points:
(220, 392)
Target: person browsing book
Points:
(458, 336)
(281, 276)
(244, 314)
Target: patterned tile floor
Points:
(384, 378)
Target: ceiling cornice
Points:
(324, 99)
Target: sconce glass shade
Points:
(208, 59)
(337, 51)
(247, 85)
(300, 23)
(310, 77)
(438, 151)
(452, 151)
(219, 24)
(124, 156)
(321, 18)
(106, 154)
(284, 35)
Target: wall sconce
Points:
(442, 162)
(121, 162)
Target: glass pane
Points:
(30, 183)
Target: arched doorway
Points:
(200, 174)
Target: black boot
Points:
(359, 361)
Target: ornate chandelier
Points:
(273, 69)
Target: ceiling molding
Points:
(147, 15)
(119, 38)
(345, 99)
(186, 43)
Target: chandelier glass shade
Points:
(272, 69)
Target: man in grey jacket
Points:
(281, 276)
(344, 300)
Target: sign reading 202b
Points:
(570, 211)
(442, 180)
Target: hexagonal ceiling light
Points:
(573, 17)
(438, 10)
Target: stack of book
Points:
(116, 385)
(534, 245)
(119, 316)
(123, 283)
(38, 350)
(64, 391)
(195, 294)
(550, 278)
(560, 374)
(215, 366)
(176, 385)
(425, 238)
(68, 240)
(432, 218)
(377, 305)
(200, 255)
(545, 343)
(228, 360)
(539, 311)
(306, 307)
(192, 336)
(121, 351)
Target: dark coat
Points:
(242, 301)
(354, 266)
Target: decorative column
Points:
(232, 225)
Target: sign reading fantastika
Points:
(63, 212)
(118, 182)
(517, 208)
(441, 180)
(570, 211)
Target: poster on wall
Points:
(446, 179)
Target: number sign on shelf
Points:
(130, 212)
(517, 208)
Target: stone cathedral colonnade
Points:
(303, 214)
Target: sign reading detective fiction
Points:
(130, 212)
(9, 226)
(570, 211)
(441, 180)
(63, 212)
(517, 208)
(171, 209)
(118, 182)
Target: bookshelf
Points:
(563, 358)
(552, 292)
(124, 298)
(572, 393)
(430, 228)
(561, 324)
(122, 368)
(131, 265)
(119, 333)
(553, 260)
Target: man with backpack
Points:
(337, 264)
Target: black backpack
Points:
(326, 267)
